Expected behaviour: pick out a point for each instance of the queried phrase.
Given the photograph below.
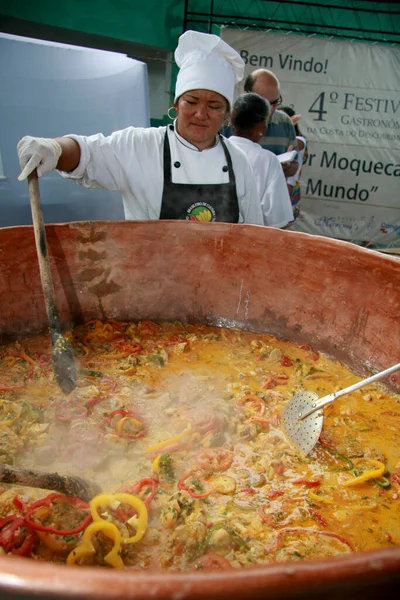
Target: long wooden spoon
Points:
(62, 354)
(68, 485)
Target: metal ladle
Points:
(303, 418)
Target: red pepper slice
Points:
(267, 517)
(175, 339)
(147, 481)
(8, 526)
(248, 490)
(10, 388)
(8, 538)
(7, 519)
(47, 502)
(315, 515)
(19, 504)
(25, 548)
(122, 516)
(308, 482)
(126, 347)
(286, 361)
(94, 401)
(271, 494)
(184, 487)
(136, 487)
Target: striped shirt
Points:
(280, 134)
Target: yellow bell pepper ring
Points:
(86, 548)
(320, 497)
(134, 501)
(156, 464)
(172, 440)
(119, 428)
(367, 475)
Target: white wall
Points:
(49, 89)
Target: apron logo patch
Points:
(200, 211)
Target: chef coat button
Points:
(225, 169)
(171, 127)
(177, 164)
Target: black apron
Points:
(196, 201)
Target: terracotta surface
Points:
(342, 299)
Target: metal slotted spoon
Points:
(303, 419)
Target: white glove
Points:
(37, 153)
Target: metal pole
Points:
(210, 23)
(186, 5)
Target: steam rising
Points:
(81, 447)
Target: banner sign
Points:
(349, 97)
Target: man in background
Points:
(280, 135)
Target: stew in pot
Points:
(180, 426)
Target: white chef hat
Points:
(206, 62)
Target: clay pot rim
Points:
(284, 580)
(217, 225)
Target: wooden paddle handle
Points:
(69, 485)
(62, 353)
(41, 248)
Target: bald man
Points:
(280, 135)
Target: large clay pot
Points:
(342, 299)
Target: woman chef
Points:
(181, 171)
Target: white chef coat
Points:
(131, 161)
(270, 180)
